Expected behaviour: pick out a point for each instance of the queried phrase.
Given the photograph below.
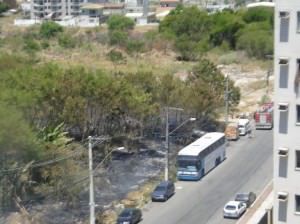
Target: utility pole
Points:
(226, 96)
(167, 145)
(167, 136)
(91, 174)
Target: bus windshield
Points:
(189, 164)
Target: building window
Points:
(298, 114)
(297, 159)
(283, 117)
(283, 72)
(297, 203)
(297, 78)
(298, 22)
(284, 26)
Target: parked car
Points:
(163, 191)
(234, 209)
(130, 216)
(247, 198)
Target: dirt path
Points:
(253, 85)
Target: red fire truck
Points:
(264, 117)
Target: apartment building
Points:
(287, 113)
(55, 8)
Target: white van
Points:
(244, 126)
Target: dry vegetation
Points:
(161, 59)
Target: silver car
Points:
(234, 209)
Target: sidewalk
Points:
(256, 212)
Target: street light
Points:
(167, 138)
(91, 171)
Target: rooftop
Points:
(92, 6)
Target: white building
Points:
(55, 8)
(287, 113)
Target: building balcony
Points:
(38, 9)
(55, 2)
(56, 9)
(37, 2)
(38, 5)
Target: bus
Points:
(201, 156)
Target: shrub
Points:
(116, 56)
(119, 22)
(118, 38)
(45, 44)
(50, 29)
(66, 41)
(134, 46)
(230, 58)
(30, 45)
(3, 7)
(258, 14)
(188, 50)
(256, 39)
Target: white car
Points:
(234, 209)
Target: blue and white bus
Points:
(202, 155)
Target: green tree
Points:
(187, 49)
(226, 26)
(50, 29)
(3, 7)
(120, 23)
(118, 37)
(187, 21)
(205, 87)
(19, 147)
(256, 39)
(259, 14)
(17, 139)
(189, 27)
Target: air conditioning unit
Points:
(283, 61)
(283, 107)
(282, 196)
(283, 152)
(284, 15)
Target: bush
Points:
(230, 58)
(134, 46)
(116, 56)
(66, 41)
(118, 38)
(30, 45)
(45, 44)
(50, 29)
(119, 22)
(256, 40)
(188, 50)
(259, 14)
(226, 25)
(3, 7)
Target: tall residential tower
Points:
(287, 113)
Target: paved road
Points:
(248, 167)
